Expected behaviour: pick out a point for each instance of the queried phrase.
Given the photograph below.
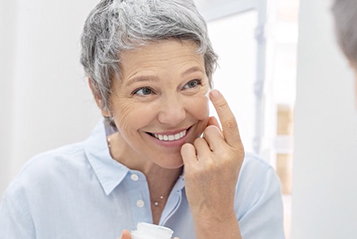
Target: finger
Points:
(229, 124)
(125, 234)
(213, 121)
(214, 137)
(203, 150)
(188, 154)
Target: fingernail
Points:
(215, 93)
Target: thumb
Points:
(125, 234)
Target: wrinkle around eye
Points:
(197, 82)
(145, 91)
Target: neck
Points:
(160, 184)
(160, 180)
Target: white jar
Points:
(151, 231)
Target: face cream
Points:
(207, 94)
(151, 231)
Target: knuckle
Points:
(225, 154)
(230, 124)
(210, 129)
(220, 105)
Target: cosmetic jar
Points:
(151, 231)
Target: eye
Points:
(143, 91)
(192, 84)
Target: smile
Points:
(171, 137)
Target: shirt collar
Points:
(109, 172)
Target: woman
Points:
(149, 64)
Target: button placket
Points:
(139, 196)
(139, 203)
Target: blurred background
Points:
(287, 83)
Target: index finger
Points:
(228, 121)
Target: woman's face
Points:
(159, 104)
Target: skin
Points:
(162, 90)
(213, 161)
(158, 93)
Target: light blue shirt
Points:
(79, 191)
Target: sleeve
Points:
(15, 219)
(259, 205)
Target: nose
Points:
(172, 111)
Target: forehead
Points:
(162, 55)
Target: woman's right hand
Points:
(125, 234)
(212, 166)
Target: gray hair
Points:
(345, 14)
(115, 26)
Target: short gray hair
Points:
(115, 26)
(345, 14)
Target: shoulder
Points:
(43, 168)
(258, 203)
(256, 178)
(62, 156)
(253, 164)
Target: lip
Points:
(174, 143)
(171, 132)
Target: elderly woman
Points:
(157, 157)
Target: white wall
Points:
(325, 161)
(45, 102)
(8, 11)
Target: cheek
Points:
(130, 116)
(199, 107)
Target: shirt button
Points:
(140, 203)
(134, 177)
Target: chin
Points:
(172, 166)
(170, 162)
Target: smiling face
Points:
(159, 103)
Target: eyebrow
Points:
(155, 79)
(191, 70)
(142, 78)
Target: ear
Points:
(98, 99)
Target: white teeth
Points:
(170, 137)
